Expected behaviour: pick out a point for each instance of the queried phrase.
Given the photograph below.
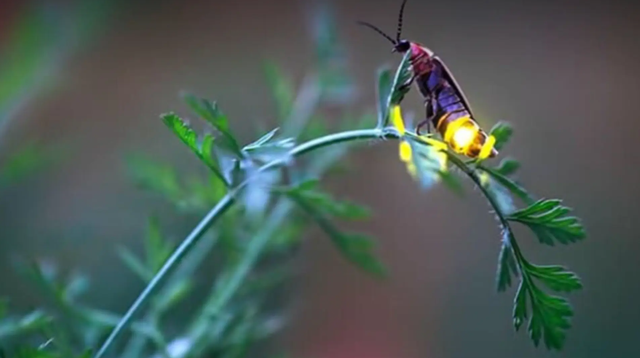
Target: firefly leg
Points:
(435, 104)
(426, 122)
(431, 109)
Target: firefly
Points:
(447, 108)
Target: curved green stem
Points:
(220, 208)
(168, 267)
(503, 220)
(462, 165)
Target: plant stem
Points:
(513, 244)
(221, 207)
(214, 307)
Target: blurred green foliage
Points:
(29, 159)
(39, 39)
(250, 246)
(42, 37)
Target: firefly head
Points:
(402, 46)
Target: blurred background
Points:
(88, 80)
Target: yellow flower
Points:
(487, 147)
(405, 151)
(435, 151)
(396, 119)
(442, 146)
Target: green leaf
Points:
(206, 149)
(306, 185)
(510, 184)
(32, 322)
(282, 89)
(267, 281)
(104, 319)
(134, 264)
(289, 236)
(262, 140)
(520, 310)
(555, 277)
(154, 176)
(499, 193)
(325, 203)
(210, 112)
(356, 248)
(502, 131)
(76, 286)
(86, 354)
(157, 249)
(548, 219)
(266, 149)
(395, 92)
(507, 267)
(550, 318)
(29, 159)
(384, 91)
(202, 149)
(548, 315)
(507, 166)
(403, 75)
(44, 276)
(175, 293)
(31, 352)
(182, 130)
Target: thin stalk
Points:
(513, 244)
(221, 207)
(200, 331)
(219, 300)
(135, 345)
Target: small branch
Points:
(513, 244)
(221, 207)
(168, 267)
(219, 300)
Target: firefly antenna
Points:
(378, 31)
(404, 2)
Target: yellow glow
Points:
(435, 143)
(487, 147)
(452, 128)
(405, 152)
(396, 119)
(463, 137)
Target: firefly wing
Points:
(452, 81)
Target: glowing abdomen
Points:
(464, 136)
